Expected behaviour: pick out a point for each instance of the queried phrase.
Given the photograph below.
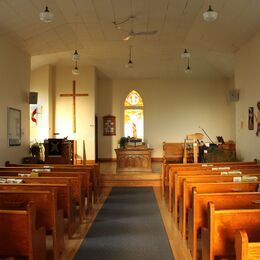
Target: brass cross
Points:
(74, 95)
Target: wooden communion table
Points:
(134, 160)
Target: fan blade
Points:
(145, 33)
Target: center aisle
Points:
(129, 226)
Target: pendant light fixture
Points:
(130, 64)
(46, 16)
(210, 15)
(188, 69)
(75, 71)
(75, 56)
(185, 54)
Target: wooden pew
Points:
(197, 217)
(91, 170)
(47, 214)
(84, 180)
(186, 200)
(63, 195)
(246, 250)
(218, 239)
(19, 236)
(167, 167)
(76, 188)
(173, 183)
(199, 178)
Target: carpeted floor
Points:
(129, 226)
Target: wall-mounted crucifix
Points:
(74, 95)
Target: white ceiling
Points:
(87, 25)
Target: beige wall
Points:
(247, 80)
(85, 107)
(42, 83)
(172, 108)
(14, 86)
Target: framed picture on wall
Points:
(109, 125)
(13, 126)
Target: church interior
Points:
(144, 114)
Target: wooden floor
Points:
(179, 248)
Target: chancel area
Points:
(130, 129)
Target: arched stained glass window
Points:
(133, 99)
(134, 115)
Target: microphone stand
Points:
(206, 134)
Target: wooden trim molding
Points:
(88, 162)
(154, 159)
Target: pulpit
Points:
(134, 159)
(60, 151)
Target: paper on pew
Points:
(207, 165)
(2, 180)
(237, 179)
(48, 166)
(14, 180)
(220, 168)
(24, 174)
(41, 170)
(34, 174)
(249, 178)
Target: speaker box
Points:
(233, 95)
(33, 97)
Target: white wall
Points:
(14, 87)
(85, 107)
(247, 80)
(172, 109)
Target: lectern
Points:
(60, 151)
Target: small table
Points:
(134, 160)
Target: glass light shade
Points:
(188, 70)
(46, 16)
(185, 54)
(75, 56)
(129, 65)
(75, 71)
(210, 15)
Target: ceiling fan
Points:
(132, 33)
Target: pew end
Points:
(246, 250)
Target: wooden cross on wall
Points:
(74, 95)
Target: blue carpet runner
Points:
(128, 227)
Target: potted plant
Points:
(35, 150)
(123, 142)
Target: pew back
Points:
(218, 240)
